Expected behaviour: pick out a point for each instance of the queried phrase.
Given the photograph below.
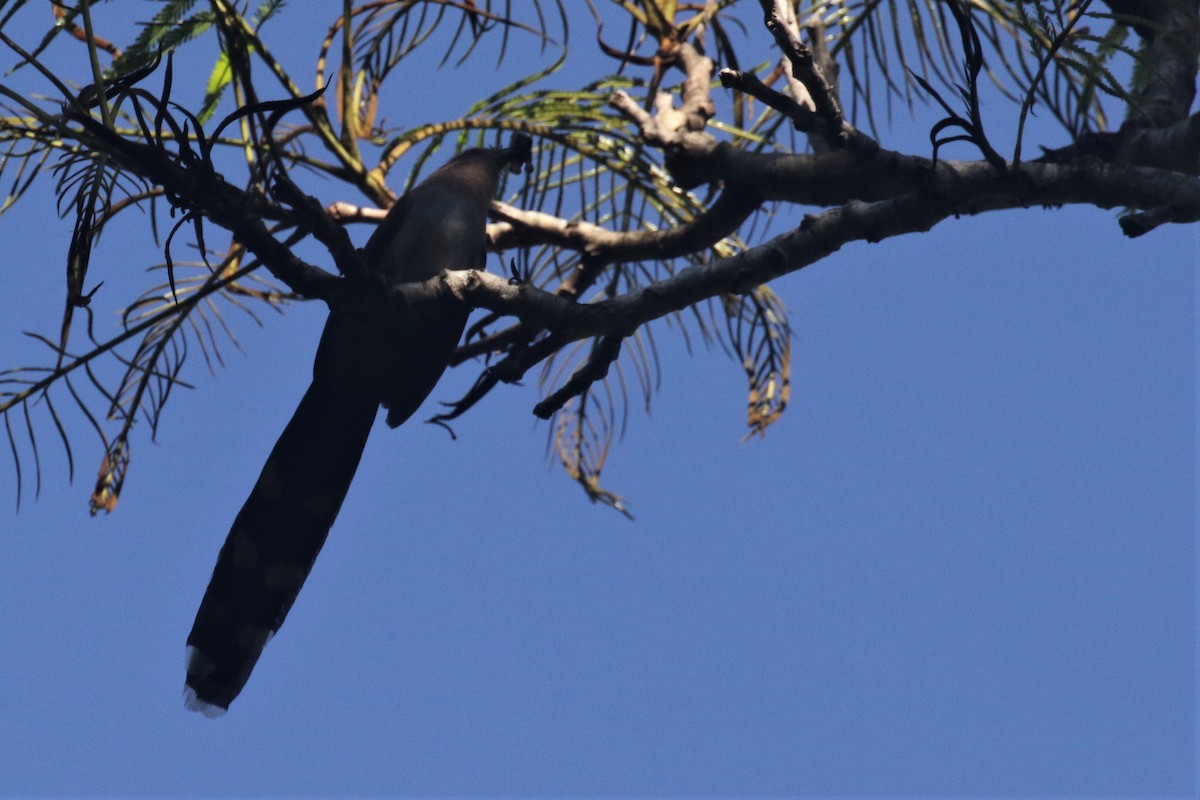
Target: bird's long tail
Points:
(275, 540)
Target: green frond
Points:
(170, 27)
(220, 78)
(386, 34)
(266, 10)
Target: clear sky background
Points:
(963, 564)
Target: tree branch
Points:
(1171, 46)
(604, 353)
(976, 188)
(780, 19)
(679, 132)
(522, 228)
(804, 118)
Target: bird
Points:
(364, 360)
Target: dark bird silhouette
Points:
(364, 360)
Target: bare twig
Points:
(604, 352)
(804, 118)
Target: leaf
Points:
(583, 435)
(219, 79)
(759, 334)
(163, 33)
(28, 157)
(110, 479)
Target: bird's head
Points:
(519, 153)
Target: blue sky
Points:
(963, 564)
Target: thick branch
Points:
(516, 227)
(1171, 46)
(521, 228)
(317, 221)
(679, 132)
(1175, 147)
